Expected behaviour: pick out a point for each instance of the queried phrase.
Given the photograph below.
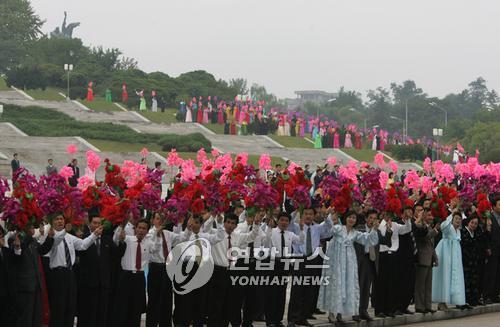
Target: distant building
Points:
(315, 96)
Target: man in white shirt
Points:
(62, 292)
(159, 308)
(280, 240)
(249, 295)
(225, 309)
(192, 307)
(385, 298)
(300, 307)
(130, 295)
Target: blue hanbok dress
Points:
(341, 295)
(448, 284)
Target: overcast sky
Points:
(289, 45)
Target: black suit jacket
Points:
(360, 248)
(95, 270)
(15, 165)
(27, 265)
(7, 274)
(494, 236)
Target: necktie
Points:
(282, 243)
(98, 245)
(198, 249)
(309, 242)
(415, 250)
(138, 257)
(67, 254)
(229, 257)
(372, 254)
(250, 245)
(164, 246)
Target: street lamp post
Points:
(406, 120)
(437, 132)
(364, 119)
(404, 124)
(68, 68)
(435, 105)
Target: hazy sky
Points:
(290, 45)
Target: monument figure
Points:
(66, 31)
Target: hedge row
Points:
(407, 152)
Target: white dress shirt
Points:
(129, 257)
(318, 232)
(237, 240)
(397, 229)
(57, 254)
(260, 240)
(129, 229)
(171, 238)
(274, 240)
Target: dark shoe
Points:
(366, 317)
(431, 311)
(260, 318)
(311, 317)
(356, 318)
(291, 324)
(421, 311)
(496, 300)
(380, 315)
(318, 312)
(390, 314)
(398, 313)
(303, 323)
(339, 318)
(408, 312)
(488, 301)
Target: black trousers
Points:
(248, 300)
(301, 305)
(224, 304)
(405, 281)
(130, 300)
(159, 309)
(191, 308)
(276, 294)
(93, 306)
(62, 297)
(385, 288)
(492, 277)
(28, 311)
(366, 273)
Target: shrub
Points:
(185, 143)
(407, 152)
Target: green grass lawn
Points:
(3, 85)
(167, 117)
(113, 146)
(216, 128)
(292, 142)
(100, 105)
(50, 94)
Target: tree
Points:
(18, 27)
(477, 92)
(407, 90)
(239, 85)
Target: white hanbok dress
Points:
(341, 295)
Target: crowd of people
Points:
(101, 250)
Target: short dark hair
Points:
(230, 216)
(371, 212)
(2, 231)
(284, 214)
(143, 221)
(494, 200)
(157, 164)
(15, 154)
(198, 218)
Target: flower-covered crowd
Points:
(99, 250)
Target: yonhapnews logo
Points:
(190, 265)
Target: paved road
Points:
(483, 320)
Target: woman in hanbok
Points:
(189, 115)
(199, 115)
(142, 100)
(474, 242)
(448, 285)
(154, 105)
(348, 142)
(357, 140)
(195, 109)
(281, 125)
(220, 116)
(302, 128)
(374, 143)
(317, 141)
(232, 127)
(341, 295)
(205, 115)
(336, 140)
(90, 92)
(315, 132)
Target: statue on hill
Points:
(66, 31)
